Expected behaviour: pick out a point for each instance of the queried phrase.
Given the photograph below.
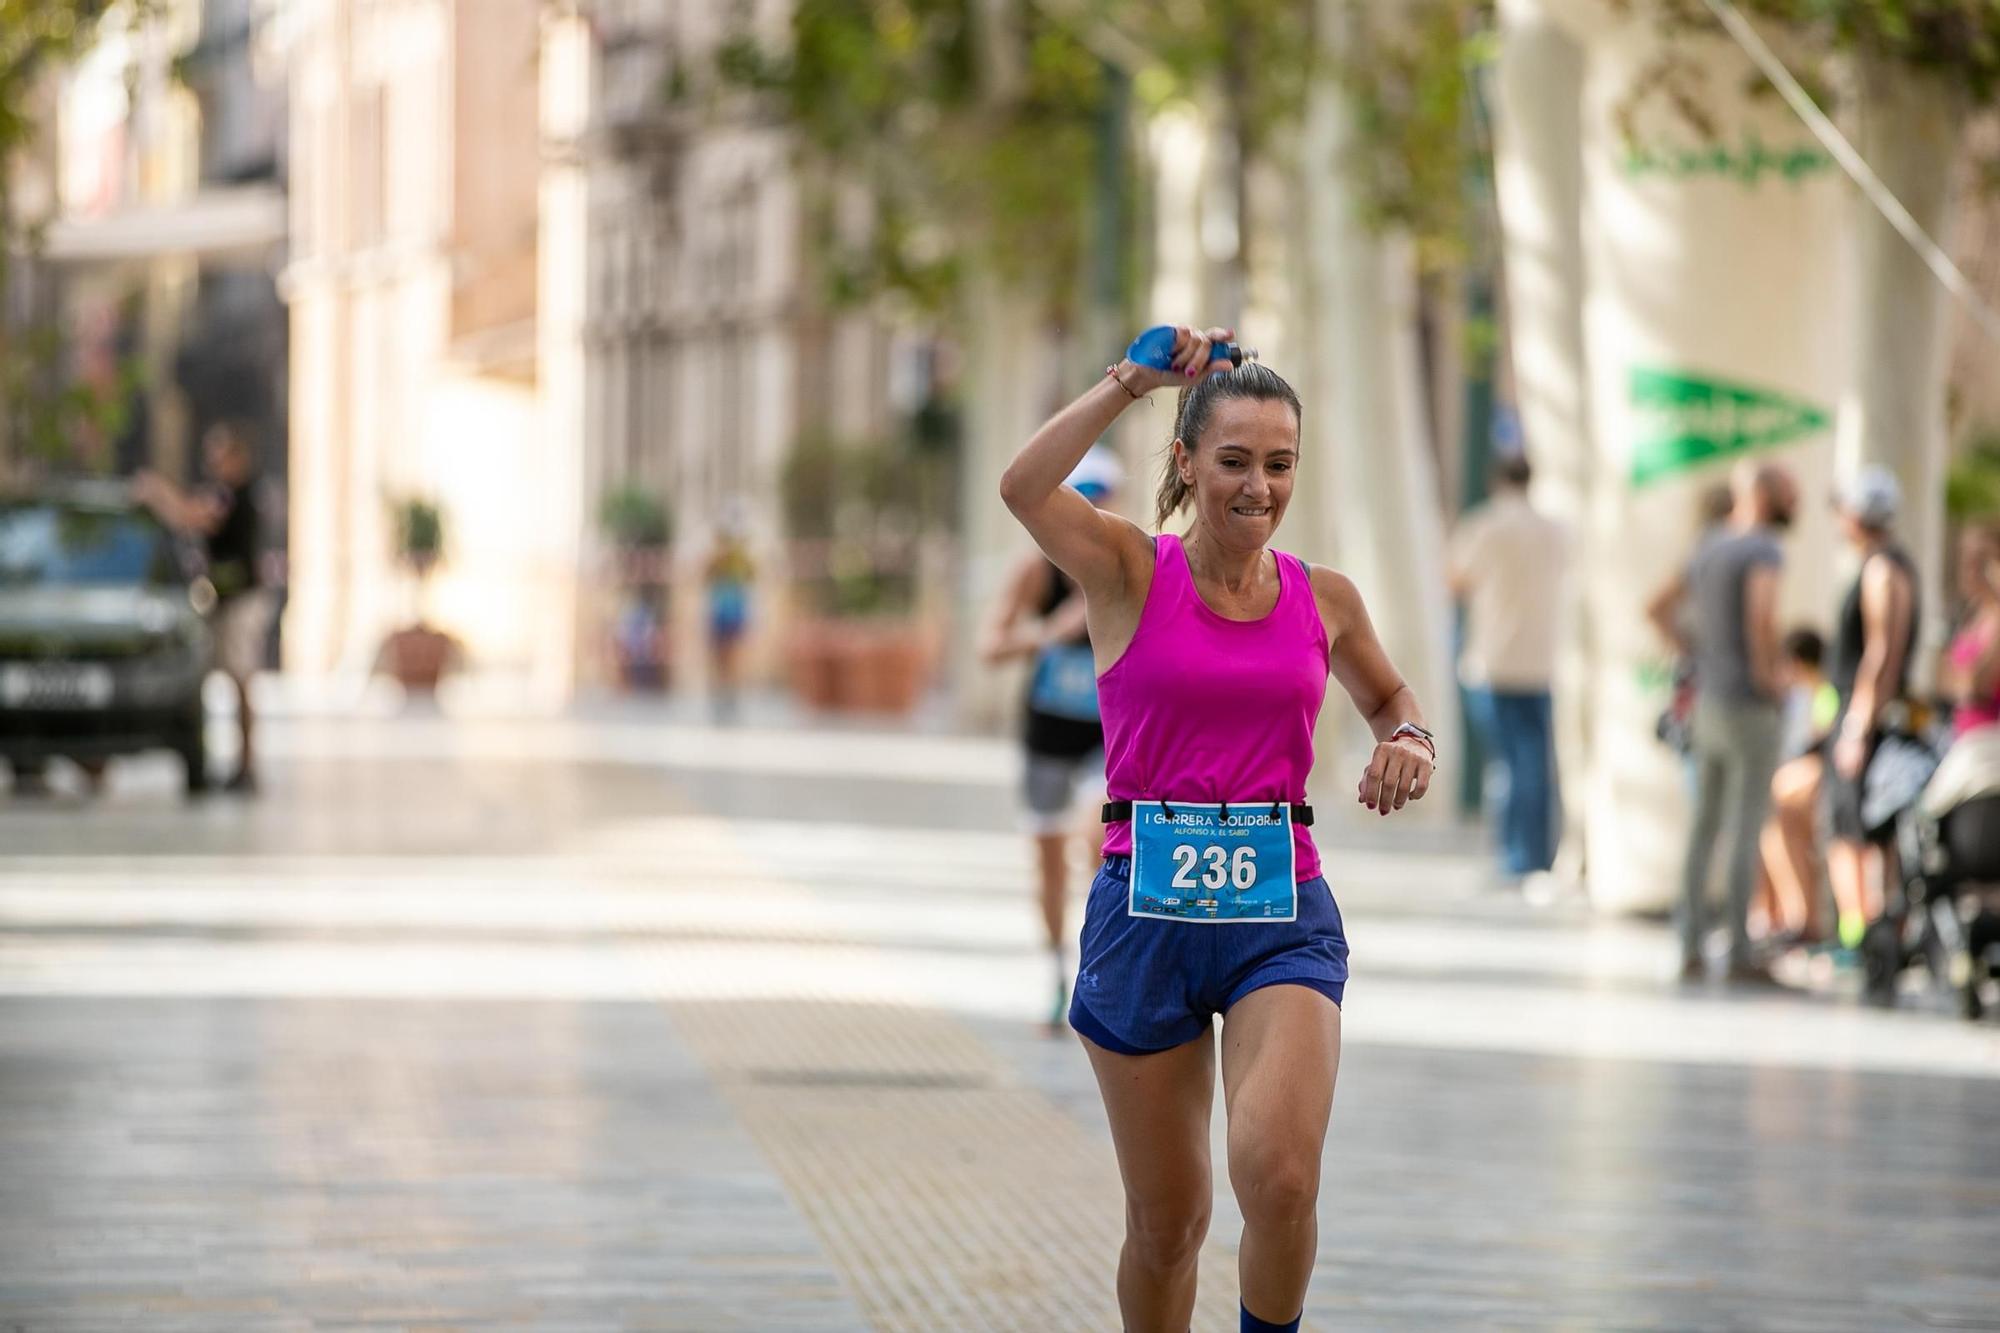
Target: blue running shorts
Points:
(1146, 985)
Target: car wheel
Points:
(31, 777)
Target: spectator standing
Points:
(1506, 564)
(728, 577)
(223, 514)
(1730, 591)
(1870, 668)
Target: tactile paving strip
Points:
(948, 1194)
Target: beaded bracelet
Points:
(1112, 371)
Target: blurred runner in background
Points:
(1040, 617)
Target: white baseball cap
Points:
(1871, 495)
(1100, 471)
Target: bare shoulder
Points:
(1340, 604)
(1334, 591)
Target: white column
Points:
(1538, 174)
(563, 254)
(1006, 375)
(1363, 402)
(1712, 326)
(1893, 412)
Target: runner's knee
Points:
(1276, 1180)
(1166, 1235)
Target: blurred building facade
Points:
(162, 178)
(412, 290)
(515, 303)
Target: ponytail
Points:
(1173, 492)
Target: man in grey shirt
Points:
(1723, 610)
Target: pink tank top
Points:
(1204, 708)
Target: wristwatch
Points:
(1412, 729)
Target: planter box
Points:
(417, 657)
(869, 666)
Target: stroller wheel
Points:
(1881, 962)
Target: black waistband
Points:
(1302, 814)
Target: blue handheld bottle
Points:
(1155, 348)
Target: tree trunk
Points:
(1006, 359)
(1006, 363)
(1364, 407)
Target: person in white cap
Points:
(1040, 618)
(1870, 668)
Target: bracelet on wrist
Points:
(1119, 380)
(1411, 731)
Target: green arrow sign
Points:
(1686, 420)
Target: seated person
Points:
(1788, 897)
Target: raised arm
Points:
(200, 513)
(1095, 548)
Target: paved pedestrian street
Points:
(614, 1022)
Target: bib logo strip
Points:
(1191, 862)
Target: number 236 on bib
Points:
(1193, 862)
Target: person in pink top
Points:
(1970, 675)
(1213, 652)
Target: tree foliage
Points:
(922, 167)
(1421, 154)
(43, 408)
(1956, 40)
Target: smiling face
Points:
(1241, 470)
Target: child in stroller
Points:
(1948, 855)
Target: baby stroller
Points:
(1947, 842)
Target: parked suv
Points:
(103, 645)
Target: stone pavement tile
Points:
(246, 1164)
(1480, 1190)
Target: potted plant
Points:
(853, 508)
(418, 654)
(641, 533)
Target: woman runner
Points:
(1212, 653)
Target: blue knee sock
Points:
(1252, 1324)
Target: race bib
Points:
(1065, 683)
(1190, 863)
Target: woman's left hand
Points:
(1399, 772)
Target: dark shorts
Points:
(1145, 985)
(1843, 796)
